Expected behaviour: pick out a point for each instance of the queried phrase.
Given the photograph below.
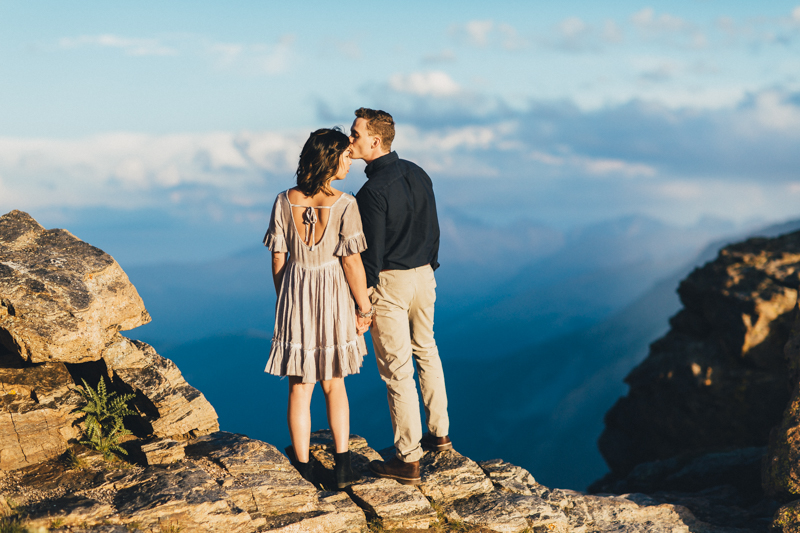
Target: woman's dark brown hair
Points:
(319, 160)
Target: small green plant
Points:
(169, 527)
(57, 522)
(133, 526)
(103, 418)
(71, 460)
(12, 524)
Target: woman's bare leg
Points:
(299, 416)
(338, 412)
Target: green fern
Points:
(103, 418)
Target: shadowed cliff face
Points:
(718, 379)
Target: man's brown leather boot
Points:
(405, 473)
(436, 444)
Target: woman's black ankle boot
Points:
(304, 469)
(343, 470)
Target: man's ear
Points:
(376, 142)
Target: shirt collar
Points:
(380, 163)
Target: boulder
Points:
(37, 419)
(393, 505)
(448, 476)
(164, 452)
(718, 379)
(61, 299)
(508, 477)
(171, 406)
(180, 495)
(261, 481)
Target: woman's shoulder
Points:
(281, 203)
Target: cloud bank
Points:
(738, 162)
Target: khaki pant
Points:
(402, 334)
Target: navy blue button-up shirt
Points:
(398, 211)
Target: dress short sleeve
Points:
(275, 239)
(351, 234)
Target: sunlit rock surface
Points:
(62, 304)
(61, 299)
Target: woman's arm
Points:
(357, 279)
(278, 268)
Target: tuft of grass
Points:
(169, 527)
(133, 526)
(376, 526)
(71, 460)
(12, 524)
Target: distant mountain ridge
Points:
(571, 379)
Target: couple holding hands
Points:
(342, 264)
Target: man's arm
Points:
(373, 217)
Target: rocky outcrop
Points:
(781, 476)
(170, 406)
(715, 391)
(62, 305)
(61, 299)
(230, 482)
(718, 380)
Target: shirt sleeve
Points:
(275, 238)
(373, 210)
(351, 234)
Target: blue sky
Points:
(565, 114)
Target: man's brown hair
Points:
(379, 124)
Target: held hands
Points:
(364, 319)
(362, 324)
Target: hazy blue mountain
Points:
(534, 353)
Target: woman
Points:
(318, 329)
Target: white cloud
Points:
(432, 83)
(668, 28)
(132, 47)
(267, 58)
(132, 170)
(773, 111)
(485, 33)
(257, 57)
(646, 20)
(594, 166)
(478, 31)
(572, 28)
(612, 33)
(796, 15)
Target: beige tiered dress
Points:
(315, 328)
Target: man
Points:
(398, 211)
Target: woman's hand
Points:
(362, 324)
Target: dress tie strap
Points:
(310, 222)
